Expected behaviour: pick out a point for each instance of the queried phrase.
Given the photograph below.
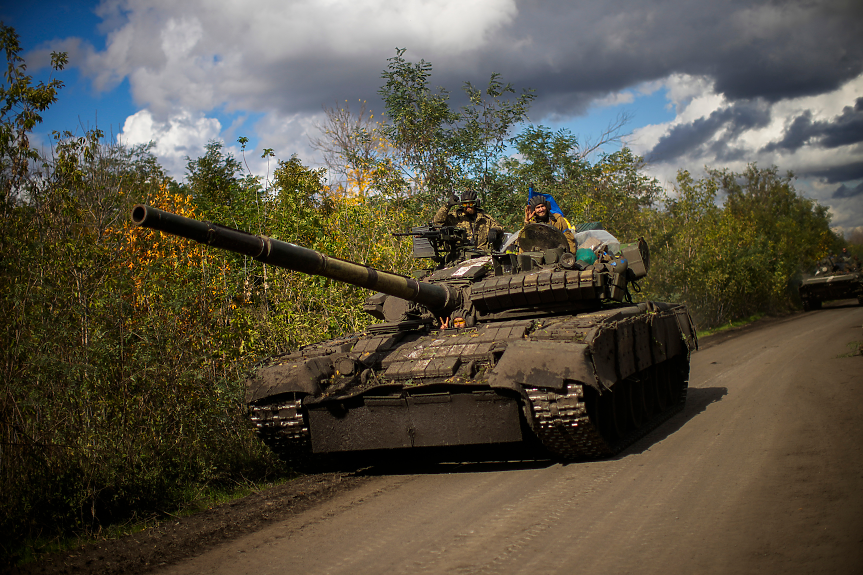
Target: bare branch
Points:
(349, 142)
(612, 133)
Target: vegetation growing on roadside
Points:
(124, 351)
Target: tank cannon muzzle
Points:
(440, 299)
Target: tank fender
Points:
(687, 327)
(544, 364)
(624, 347)
(301, 376)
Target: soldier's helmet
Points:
(536, 200)
(469, 197)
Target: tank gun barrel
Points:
(438, 298)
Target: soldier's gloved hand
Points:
(453, 201)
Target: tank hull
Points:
(576, 386)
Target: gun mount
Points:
(534, 350)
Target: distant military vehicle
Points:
(832, 280)
(533, 349)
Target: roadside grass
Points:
(198, 499)
(730, 325)
(856, 348)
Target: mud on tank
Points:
(533, 351)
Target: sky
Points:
(716, 84)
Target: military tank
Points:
(831, 282)
(535, 350)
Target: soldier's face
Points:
(469, 209)
(540, 210)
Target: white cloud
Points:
(199, 55)
(695, 100)
(615, 99)
(849, 231)
(691, 96)
(184, 134)
(286, 135)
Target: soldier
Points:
(537, 211)
(482, 229)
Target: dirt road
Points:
(762, 473)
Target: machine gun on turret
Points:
(443, 244)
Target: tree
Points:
(418, 123)
(799, 228)
(745, 257)
(222, 192)
(21, 105)
(485, 127)
(441, 149)
(352, 145)
(612, 190)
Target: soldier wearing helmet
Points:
(538, 212)
(482, 229)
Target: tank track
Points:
(563, 425)
(565, 428)
(282, 428)
(562, 422)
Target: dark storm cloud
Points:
(727, 154)
(797, 134)
(844, 129)
(844, 191)
(572, 52)
(687, 138)
(752, 50)
(746, 115)
(845, 173)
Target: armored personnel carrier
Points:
(831, 283)
(533, 349)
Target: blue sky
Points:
(714, 84)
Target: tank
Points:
(534, 352)
(832, 281)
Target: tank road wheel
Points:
(648, 391)
(638, 412)
(606, 416)
(660, 386)
(618, 408)
(678, 374)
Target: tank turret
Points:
(540, 350)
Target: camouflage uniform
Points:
(477, 226)
(846, 262)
